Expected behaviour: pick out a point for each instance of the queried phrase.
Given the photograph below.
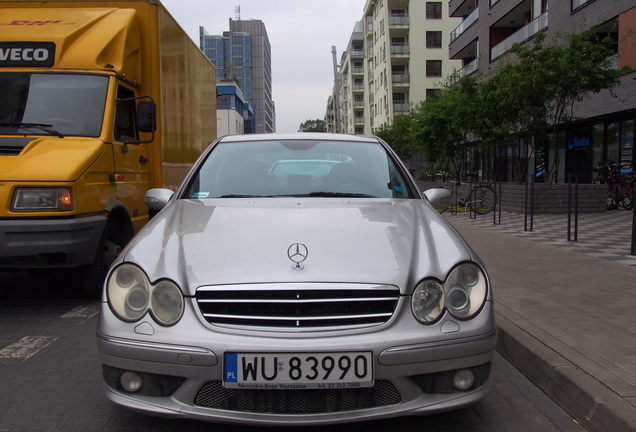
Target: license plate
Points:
(281, 371)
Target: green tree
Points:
(443, 125)
(542, 83)
(312, 126)
(399, 136)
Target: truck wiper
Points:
(42, 126)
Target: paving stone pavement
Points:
(566, 310)
(605, 235)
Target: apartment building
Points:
(605, 131)
(397, 56)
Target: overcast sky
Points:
(301, 33)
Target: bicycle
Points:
(479, 197)
(620, 191)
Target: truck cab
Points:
(80, 91)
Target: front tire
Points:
(92, 276)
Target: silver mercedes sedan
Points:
(296, 279)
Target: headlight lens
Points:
(463, 295)
(167, 303)
(42, 199)
(428, 302)
(466, 292)
(131, 296)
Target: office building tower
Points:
(243, 55)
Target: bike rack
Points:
(576, 208)
(529, 207)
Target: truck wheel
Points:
(93, 275)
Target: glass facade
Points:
(243, 55)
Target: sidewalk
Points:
(566, 311)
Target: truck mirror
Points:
(146, 116)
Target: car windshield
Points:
(298, 168)
(52, 103)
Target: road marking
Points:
(81, 312)
(26, 347)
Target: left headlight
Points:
(42, 199)
(462, 295)
(131, 296)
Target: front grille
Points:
(214, 395)
(298, 306)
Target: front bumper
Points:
(49, 243)
(411, 377)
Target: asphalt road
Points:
(50, 376)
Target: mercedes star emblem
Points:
(297, 252)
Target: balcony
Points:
(520, 35)
(357, 71)
(357, 53)
(399, 50)
(470, 68)
(400, 79)
(470, 20)
(398, 21)
(401, 108)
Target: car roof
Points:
(322, 136)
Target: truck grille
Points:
(298, 306)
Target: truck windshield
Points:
(45, 103)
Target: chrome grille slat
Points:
(254, 317)
(298, 307)
(297, 301)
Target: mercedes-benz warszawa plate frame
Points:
(296, 279)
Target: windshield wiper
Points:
(245, 196)
(42, 126)
(337, 195)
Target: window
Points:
(433, 68)
(433, 39)
(433, 10)
(125, 116)
(578, 3)
(431, 93)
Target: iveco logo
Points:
(297, 252)
(14, 54)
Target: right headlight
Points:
(131, 296)
(463, 295)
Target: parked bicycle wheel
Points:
(482, 199)
(626, 196)
(612, 197)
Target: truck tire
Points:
(92, 276)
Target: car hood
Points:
(233, 241)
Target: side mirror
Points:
(156, 199)
(438, 197)
(146, 116)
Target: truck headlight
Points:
(131, 296)
(42, 199)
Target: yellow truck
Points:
(99, 101)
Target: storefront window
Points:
(611, 148)
(627, 145)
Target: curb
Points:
(589, 401)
